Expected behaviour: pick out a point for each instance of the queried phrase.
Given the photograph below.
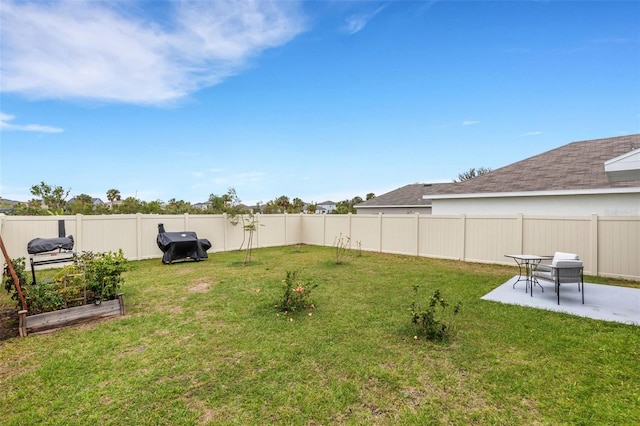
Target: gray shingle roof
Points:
(575, 166)
(409, 195)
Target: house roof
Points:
(409, 195)
(575, 166)
(94, 200)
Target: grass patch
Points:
(202, 343)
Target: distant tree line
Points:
(52, 200)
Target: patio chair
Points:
(565, 268)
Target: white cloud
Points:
(103, 51)
(470, 122)
(356, 23)
(531, 134)
(6, 125)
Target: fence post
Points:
(224, 231)
(78, 234)
(257, 231)
(520, 234)
(380, 232)
(139, 236)
(593, 241)
(186, 221)
(324, 229)
(417, 214)
(350, 239)
(463, 236)
(285, 227)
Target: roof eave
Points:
(598, 191)
(387, 206)
(623, 167)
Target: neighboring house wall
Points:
(599, 176)
(201, 206)
(326, 207)
(408, 199)
(557, 205)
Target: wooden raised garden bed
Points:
(51, 321)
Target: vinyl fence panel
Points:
(607, 245)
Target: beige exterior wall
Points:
(608, 245)
(612, 204)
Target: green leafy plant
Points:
(97, 274)
(297, 294)
(71, 285)
(435, 321)
(103, 272)
(19, 266)
(43, 297)
(341, 244)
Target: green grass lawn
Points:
(201, 343)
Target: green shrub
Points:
(21, 273)
(297, 294)
(43, 297)
(96, 274)
(435, 321)
(103, 272)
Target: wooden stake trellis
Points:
(12, 271)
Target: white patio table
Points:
(528, 262)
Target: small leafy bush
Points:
(43, 297)
(103, 272)
(21, 273)
(96, 274)
(435, 321)
(297, 294)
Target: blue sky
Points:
(317, 100)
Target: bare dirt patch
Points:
(200, 286)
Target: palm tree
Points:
(113, 195)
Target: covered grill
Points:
(46, 251)
(43, 245)
(181, 245)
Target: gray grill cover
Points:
(43, 245)
(181, 245)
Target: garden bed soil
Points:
(8, 322)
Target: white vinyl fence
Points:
(608, 246)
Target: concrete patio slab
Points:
(601, 302)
